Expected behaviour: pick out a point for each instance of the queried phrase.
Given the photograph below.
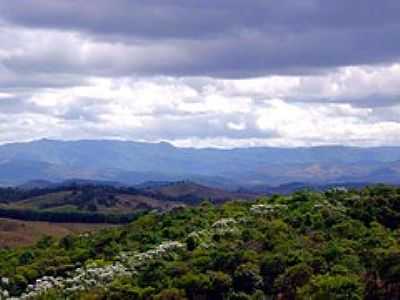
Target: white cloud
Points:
(143, 83)
(347, 84)
(236, 126)
(318, 124)
(5, 95)
(351, 105)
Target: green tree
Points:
(171, 294)
(338, 287)
(247, 278)
(220, 285)
(294, 278)
(195, 284)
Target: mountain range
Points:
(133, 163)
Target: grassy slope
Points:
(36, 202)
(22, 233)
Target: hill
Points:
(340, 244)
(133, 163)
(81, 201)
(15, 233)
(193, 193)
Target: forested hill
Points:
(337, 244)
(96, 203)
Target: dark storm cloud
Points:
(226, 38)
(191, 18)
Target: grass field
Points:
(22, 233)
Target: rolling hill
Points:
(84, 202)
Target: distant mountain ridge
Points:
(137, 162)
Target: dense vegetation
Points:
(334, 245)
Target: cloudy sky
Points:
(195, 73)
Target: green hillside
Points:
(334, 245)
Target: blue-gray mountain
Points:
(134, 162)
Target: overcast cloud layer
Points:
(201, 73)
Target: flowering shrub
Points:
(93, 275)
(225, 225)
(267, 209)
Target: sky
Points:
(223, 73)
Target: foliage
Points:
(333, 245)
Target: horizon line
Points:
(171, 144)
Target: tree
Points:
(271, 267)
(338, 287)
(247, 278)
(220, 285)
(194, 284)
(294, 277)
(26, 257)
(171, 294)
